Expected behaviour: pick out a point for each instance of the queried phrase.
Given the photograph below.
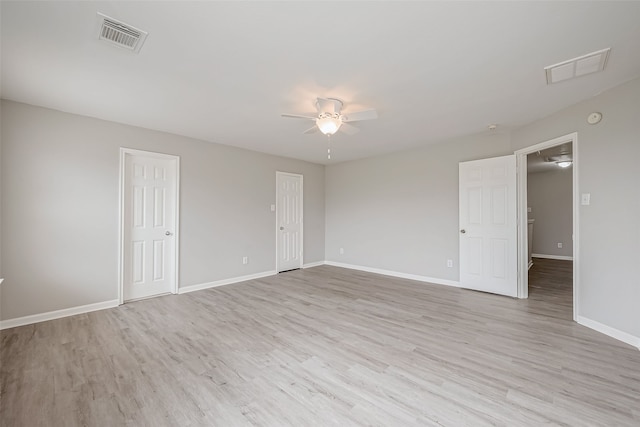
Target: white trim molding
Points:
(223, 282)
(560, 257)
(314, 264)
(57, 314)
(608, 330)
(416, 277)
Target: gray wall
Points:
(550, 197)
(400, 212)
(60, 208)
(608, 169)
(397, 212)
(1, 200)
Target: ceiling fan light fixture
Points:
(330, 118)
(564, 163)
(328, 125)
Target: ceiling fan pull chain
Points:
(329, 147)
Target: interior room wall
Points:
(1, 198)
(550, 197)
(60, 211)
(609, 242)
(399, 212)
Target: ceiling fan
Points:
(563, 160)
(329, 118)
(560, 155)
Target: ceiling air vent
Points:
(120, 34)
(576, 67)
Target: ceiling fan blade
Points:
(314, 129)
(326, 105)
(360, 115)
(348, 129)
(298, 116)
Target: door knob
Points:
(168, 233)
(463, 231)
(281, 228)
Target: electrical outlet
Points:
(450, 263)
(341, 251)
(245, 260)
(559, 245)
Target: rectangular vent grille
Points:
(576, 67)
(120, 34)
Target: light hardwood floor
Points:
(324, 346)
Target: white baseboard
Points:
(560, 257)
(396, 274)
(223, 282)
(313, 264)
(57, 314)
(608, 330)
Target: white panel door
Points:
(488, 225)
(149, 225)
(289, 221)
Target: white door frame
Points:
(278, 173)
(521, 162)
(130, 151)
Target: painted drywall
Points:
(399, 212)
(60, 210)
(1, 198)
(609, 237)
(550, 198)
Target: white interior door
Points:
(149, 224)
(289, 221)
(488, 225)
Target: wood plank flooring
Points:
(323, 347)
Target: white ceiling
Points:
(224, 71)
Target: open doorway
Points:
(550, 227)
(547, 246)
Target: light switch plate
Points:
(586, 199)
